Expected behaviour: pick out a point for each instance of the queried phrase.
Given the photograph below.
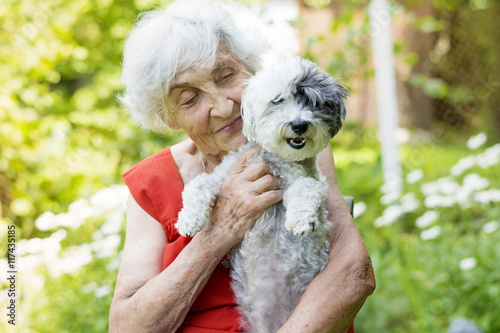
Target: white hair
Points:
(169, 40)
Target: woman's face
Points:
(205, 102)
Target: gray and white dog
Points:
(292, 110)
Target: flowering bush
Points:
(435, 247)
(68, 277)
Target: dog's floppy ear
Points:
(335, 103)
(340, 94)
(324, 91)
(248, 100)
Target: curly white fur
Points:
(292, 110)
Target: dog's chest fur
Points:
(272, 267)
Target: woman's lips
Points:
(232, 126)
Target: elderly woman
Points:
(185, 66)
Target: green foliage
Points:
(63, 134)
(433, 269)
(349, 59)
(64, 138)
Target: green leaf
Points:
(411, 58)
(436, 88)
(429, 24)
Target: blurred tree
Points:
(63, 134)
(456, 43)
(446, 58)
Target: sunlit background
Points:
(434, 240)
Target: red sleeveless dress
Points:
(156, 186)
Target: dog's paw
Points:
(188, 230)
(302, 228)
(189, 224)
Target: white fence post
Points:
(382, 45)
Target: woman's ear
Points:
(173, 125)
(167, 120)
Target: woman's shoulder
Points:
(187, 159)
(152, 180)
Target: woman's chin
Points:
(237, 141)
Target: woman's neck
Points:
(210, 161)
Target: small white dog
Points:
(292, 110)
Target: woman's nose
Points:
(222, 106)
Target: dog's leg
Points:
(200, 195)
(198, 199)
(302, 200)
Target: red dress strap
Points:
(156, 186)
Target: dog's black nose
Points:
(299, 126)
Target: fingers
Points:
(254, 171)
(267, 199)
(244, 159)
(266, 183)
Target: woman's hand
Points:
(247, 191)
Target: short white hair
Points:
(169, 40)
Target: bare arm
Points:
(335, 296)
(149, 300)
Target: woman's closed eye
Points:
(225, 76)
(188, 97)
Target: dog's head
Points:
(293, 109)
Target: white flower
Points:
(409, 203)
(462, 197)
(106, 247)
(87, 288)
(489, 157)
(437, 200)
(35, 281)
(429, 188)
(463, 164)
(114, 264)
(380, 222)
(114, 196)
(102, 291)
(414, 176)
(468, 263)
(390, 215)
(114, 221)
(33, 245)
(359, 209)
(476, 141)
(487, 196)
(78, 212)
(426, 219)
(447, 186)
(430, 233)
(389, 198)
(474, 182)
(46, 221)
(71, 261)
(490, 227)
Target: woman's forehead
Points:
(200, 73)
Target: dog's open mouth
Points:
(296, 143)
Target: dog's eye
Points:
(278, 101)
